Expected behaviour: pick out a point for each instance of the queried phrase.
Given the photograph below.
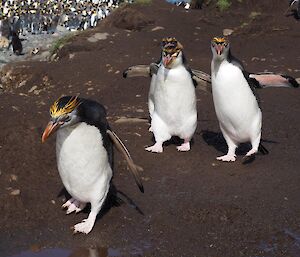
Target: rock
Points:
(4, 42)
(15, 108)
(227, 32)
(101, 36)
(157, 28)
(32, 89)
(15, 192)
(22, 83)
(34, 51)
(13, 177)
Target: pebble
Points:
(13, 177)
(32, 89)
(15, 192)
(157, 28)
(227, 32)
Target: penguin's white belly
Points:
(82, 161)
(175, 99)
(235, 104)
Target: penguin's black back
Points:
(16, 44)
(94, 114)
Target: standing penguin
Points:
(172, 98)
(16, 43)
(84, 152)
(235, 101)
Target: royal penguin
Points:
(84, 153)
(172, 98)
(236, 103)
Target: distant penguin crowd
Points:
(18, 18)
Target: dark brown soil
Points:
(192, 205)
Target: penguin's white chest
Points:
(174, 97)
(82, 161)
(235, 104)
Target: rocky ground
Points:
(192, 205)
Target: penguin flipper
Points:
(137, 71)
(202, 79)
(269, 79)
(132, 166)
(141, 70)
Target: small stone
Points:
(23, 83)
(139, 110)
(117, 72)
(254, 59)
(52, 201)
(13, 177)
(15, 192)
(71, 56)
(32, 89)
(15, 108)
(137, 95)
(227, 32)
(157, 28)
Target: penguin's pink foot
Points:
(68, 203)
(86, 225)
(184, 147)
(74, 205)
(226, 158)
(156, 148)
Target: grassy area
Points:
(61, 42)
(223, 4)
(143, 2)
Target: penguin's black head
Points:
(220, 47)
(63, 113)
(171, 52)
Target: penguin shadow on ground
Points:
(177, 141)
(115, 198)
(294, 13)
(217, 140)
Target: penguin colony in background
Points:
(84, 141)
(43, 16)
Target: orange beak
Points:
(167, 60)
(50, 129)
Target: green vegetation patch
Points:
(223, 5)
(61, 42)
(143, 2)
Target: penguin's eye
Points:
(164, 54)
(175, 54)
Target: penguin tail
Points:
(262, 149)
(135, 169)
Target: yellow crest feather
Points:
(56, 111)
